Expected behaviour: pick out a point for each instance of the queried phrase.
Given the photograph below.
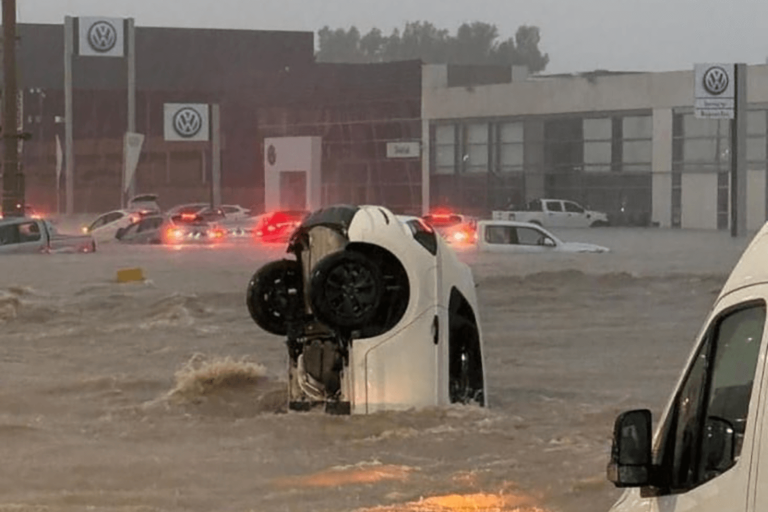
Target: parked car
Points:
(21, 235)
(198, 212)
(555, 213)
(509, 236)
(161, 229)
(236, 212)
(105, 226)
(709, 452)
(29, 211)
(145, 203)
(378, 312)
(455, 228)
(277, 227)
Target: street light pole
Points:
(13, 181)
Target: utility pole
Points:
(13, 180)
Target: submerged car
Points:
(160, 229)
(511, 236)
(457, 229)
(105, 227)
(24, 235)
(377, 311)
(277, 227)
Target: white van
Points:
(710, 450)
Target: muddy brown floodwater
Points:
(165, 396)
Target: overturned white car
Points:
(378, 312)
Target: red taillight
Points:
(460, 236)
(175, 233)
(188, 216)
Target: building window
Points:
(706, 144)
(637, 145)
(445, 149)
(511, 141)
(598, 134)
(756, 138)
(476, 148)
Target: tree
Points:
(473, 43)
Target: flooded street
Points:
(165, 396)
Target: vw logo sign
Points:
(271, 155)
(715, 80)
(102, 36)
(187, 122)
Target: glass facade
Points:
(603, 162)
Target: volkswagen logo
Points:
(187, 122)
(102, 36)
(715, 80)
(271, 155)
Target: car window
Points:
(148, 224)
(130, 230)
(554, 206)
(717, 388)
(530, 236)
(535, 206)
(573, 207)
(9, 234)
(29, 232)
(500, 235)
(424, 235)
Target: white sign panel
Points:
(714, 91)
(186, 121)
(101, 37)
(403, 149)
(131, 153)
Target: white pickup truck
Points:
(24, 235)
(555, 213)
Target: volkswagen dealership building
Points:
(407, 135)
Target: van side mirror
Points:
(630, 464)
(719, 446)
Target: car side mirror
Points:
(630, 464)
(548, 242)
(719, 450)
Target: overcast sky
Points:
(579, 35)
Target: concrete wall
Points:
(292, 154)
(661, 177)
(543, 96)
(755, 199)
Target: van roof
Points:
(751, 268)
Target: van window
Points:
(718, 387)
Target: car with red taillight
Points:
(277, 227)
(455, 228)
(160, 229)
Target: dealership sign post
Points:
(720, 92)
(97, 37)
(197, 122)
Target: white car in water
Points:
(378, 312)
(525, 237)
(105, 226)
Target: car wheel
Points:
(346, 289)
(273, 292)
(465, 383)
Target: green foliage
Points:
(473, 43)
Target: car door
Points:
(554, 215)
(576, 215)
(704, 448)
(30, 238)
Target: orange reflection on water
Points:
(478, 502)
(347, 476)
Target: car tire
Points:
(465, 381)
(273, 291)
(346, 289)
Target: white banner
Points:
(186, 121)
(131, 152)
(101, 37)
(59, 161)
